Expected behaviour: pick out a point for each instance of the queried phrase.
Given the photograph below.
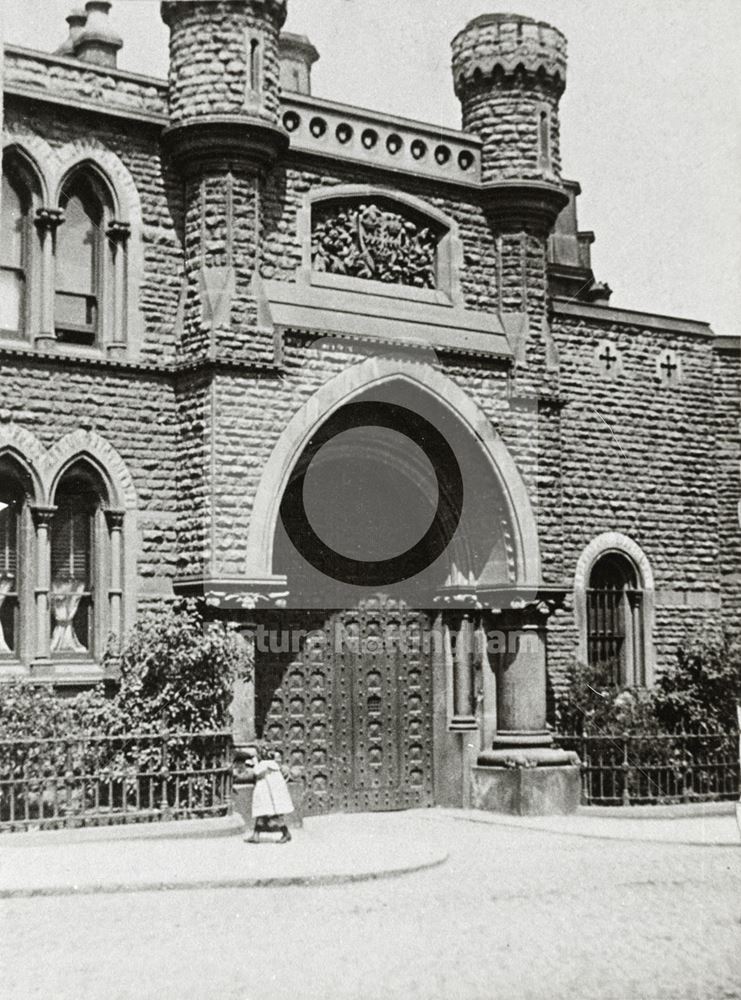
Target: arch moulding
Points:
(615, 541)
(343, 388)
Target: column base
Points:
(45, 342)
(540, 790)
(463, 722)
(517, 738)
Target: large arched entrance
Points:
(389, 503)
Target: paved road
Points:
(513, 914)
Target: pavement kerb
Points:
(276, 882)
(531, 823)
(181, 829)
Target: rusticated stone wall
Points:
(727, 454)
(134, 413)
(638, 457)
(508, 120)
(210, 58)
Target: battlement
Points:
(276, 9)
(497, 46)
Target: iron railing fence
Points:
(100, 780)
(623, 769)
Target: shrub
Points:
(177, 670)
(592, 704)
(700, 691)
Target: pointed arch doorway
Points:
(354, 678)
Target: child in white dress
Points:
(271, 800)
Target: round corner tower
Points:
(223, 137)
(509, 73)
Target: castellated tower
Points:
(221, 144)
(509, 73)
(223, 137)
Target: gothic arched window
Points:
(14, 248)
(77, 541)
(14, 533)
(615, 627)
(81, 257)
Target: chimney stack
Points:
(76, 22)
(297, 56)
(98, 43)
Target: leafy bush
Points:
(696, 694)
(177, 670)
(701, 690)
(591, 704)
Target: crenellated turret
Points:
(509, 73)
(224, 134)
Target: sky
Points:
(651, 117)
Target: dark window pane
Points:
(72, 565)
(77, 240)
(9, 569)
(612, 585)
(12, 231)
(13, 226)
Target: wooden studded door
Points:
(351, 709)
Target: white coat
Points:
(271, 796)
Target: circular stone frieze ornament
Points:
(428, 548)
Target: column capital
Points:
(47, 219)
(42, 516)
(114, 519)
(118, 231)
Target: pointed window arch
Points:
(82, 260)
(15, 557)
(15, 247)
(78, 554)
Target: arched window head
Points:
(76, 537)
(80, 260)
(13, 491)
(615, 627)
(15, 235)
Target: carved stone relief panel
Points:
(374, 242)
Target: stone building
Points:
(351, 377)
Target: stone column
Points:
(463, 708)
(521, 687)
(522, 735)
(114, 519)
(42, 517)
(118, 234)
(243, 699)
(47, 220)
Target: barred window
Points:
(615, 620)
